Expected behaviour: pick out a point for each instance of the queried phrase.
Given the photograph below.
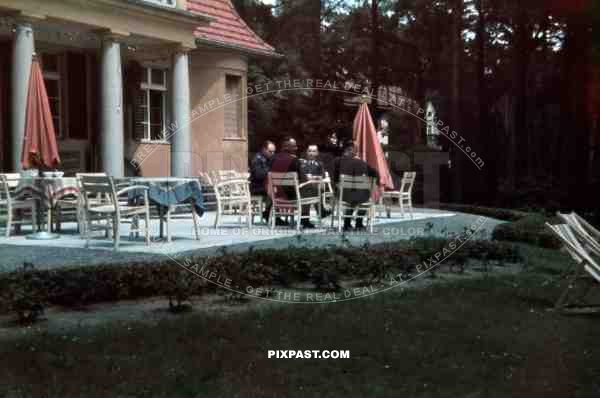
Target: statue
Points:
(383, 135)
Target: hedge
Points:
(27, 291)
(530, 229)
(523, 227)
(492, 212)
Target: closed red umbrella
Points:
(369, 149)
(39, 142)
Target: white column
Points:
(111, 84)
(181, 140)
(21, 69)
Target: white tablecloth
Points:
(48, 189)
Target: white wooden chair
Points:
(12, 180)
(208, 190)
(584, 268)
(11, 204)
(217, 176)
(75, 206)
(257, 205)
(403, 195)
(256, 201)
(328, 193)
(221, 175)
(345, 183)
(116, 209)
(284, 206)
(233, 197)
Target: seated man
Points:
(287, 161)
(312, 167)
(350, 165)
(259, 169)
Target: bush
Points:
(530, 229)
(325, 267)
(434, 249)
(180, 287)
(25, 294)
(492, 212)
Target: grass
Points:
(486, 337)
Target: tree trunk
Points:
(315, 15)
(457, 48)
(374, 52)
(483, 133)
(520, 70)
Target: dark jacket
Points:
(311, 167)
(331, 150)
(314, 168)
(353, 167)
(328, 154)
(283, 162)
(259, 168)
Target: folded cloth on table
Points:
(189, 192)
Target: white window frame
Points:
(147, 87)
(164, 3)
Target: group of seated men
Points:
(312, 165)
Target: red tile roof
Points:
(228, 29)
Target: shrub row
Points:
(497, 213)
(530, 229)
(26, 292)
(523, 227)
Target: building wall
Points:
(155, 160)
(211, 149)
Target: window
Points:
(167, 3)
(233, 110)
(151, 106)
(51, 73)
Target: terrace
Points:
(69, 249)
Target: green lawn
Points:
(486, 337)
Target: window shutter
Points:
(140, 115)
(233, 110)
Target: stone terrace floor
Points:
(69, 249)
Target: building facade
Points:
(148, 87)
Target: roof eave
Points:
(244, 50)
(172, 14)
